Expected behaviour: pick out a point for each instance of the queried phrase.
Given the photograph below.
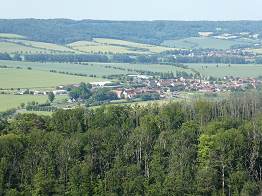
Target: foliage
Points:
(81, 92)
(51, 96)
(199, 148)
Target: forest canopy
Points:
(196, 148)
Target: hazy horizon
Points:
(129, 20)
(135, 10)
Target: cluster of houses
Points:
(60, 90)
(38, 92)
(165, 88)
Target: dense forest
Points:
(182, 148)
(155, 32)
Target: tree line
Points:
(126, 58)
(162, 58)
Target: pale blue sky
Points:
(134, 9)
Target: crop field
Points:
(13, 101)
(12, 43)
(91, 69)
(98, 69)
(105, 69)
(150, 67)
(205, 42)
(49, 47)
(237, 70)
(21, 78)
(116, 47)
(146, 47)
(11, 48)
(89, 47)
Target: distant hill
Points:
(64, 31)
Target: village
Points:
(168, 88)
(136, 86)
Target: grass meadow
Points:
(236, 70)
(116, 47)
(205, 42)
(98, 69)
(20, 78)
(13, 101)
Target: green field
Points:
(12, 43)
(150, 67)
(48, 47)
(13, 101)
(205, 42)
(91, 47)
(11, 36)
(98, 69)
(92, 68)
(128, 44)
(21, 78)
(116, 47)
(11, 48)
(237, 70)
(44, 113)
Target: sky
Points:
(133, 9)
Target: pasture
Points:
(236, 70)
(49, 47)
(13, 101)
(114, 46)
(98, 69)
(150, 67)
(21, 78)
(91, 69)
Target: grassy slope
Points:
(151, 48)
(13, 43)
(46, 46)
(83, 46)
(116, 46)
(11, 48)
(18, 44)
